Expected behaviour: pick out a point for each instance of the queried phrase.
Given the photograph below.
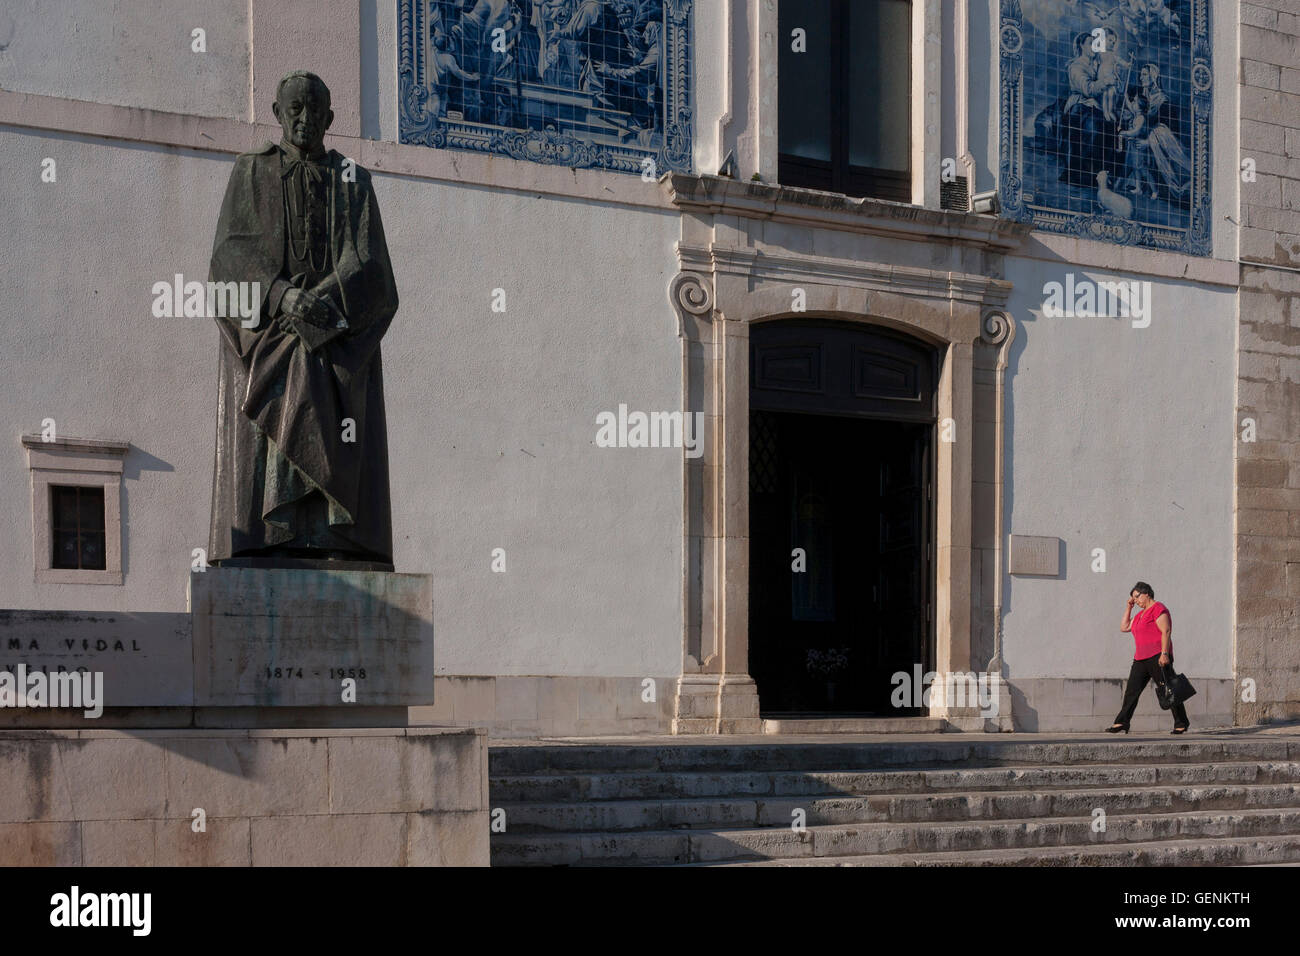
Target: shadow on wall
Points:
(137, 461)
(369, 70)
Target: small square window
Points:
(78, 527)
(76, 509)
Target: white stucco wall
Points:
(129, 52)
(1121, 438)
(1103, 457)
(491, 416)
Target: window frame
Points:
(837, 175)
(68, 462)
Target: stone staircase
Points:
(1221, 800)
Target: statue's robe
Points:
(285, 480)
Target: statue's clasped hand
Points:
(307, 306)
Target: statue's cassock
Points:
(282, 408)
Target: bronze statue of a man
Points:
(301, 472)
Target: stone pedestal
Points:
(309, 638)
(716, 704)
(258, 645)
(413, 796)
(956, 698)
(146, 657)
(1000, 690)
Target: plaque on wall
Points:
(1034, 555)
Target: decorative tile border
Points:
(1056, 137)
(594, 83)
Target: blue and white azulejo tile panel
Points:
(1105, 119)
(582, 83)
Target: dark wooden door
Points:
(841, 429)
(902, 607)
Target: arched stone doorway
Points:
(841, 514)
(716, 692)
(753, 254)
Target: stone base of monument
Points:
(311, 638)
(412, 796)
(257, 645)
(275, 710)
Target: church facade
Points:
(758, 365)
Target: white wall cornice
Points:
(878, 276)
(756, 200)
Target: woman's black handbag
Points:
(1175, 689)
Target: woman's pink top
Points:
(1146, 634)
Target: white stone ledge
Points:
(223, 135)
(96, 446)
(704, 195)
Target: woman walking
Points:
(1153, 649)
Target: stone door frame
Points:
(725, 287)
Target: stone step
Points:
(713, 812)
(553, 788)
(853, 725)
(650, 847)
(1281, 850)
(777, 755)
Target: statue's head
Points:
(302, 105)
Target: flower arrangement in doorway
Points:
(828, 664)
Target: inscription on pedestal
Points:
(144, 657)
(304, 638)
